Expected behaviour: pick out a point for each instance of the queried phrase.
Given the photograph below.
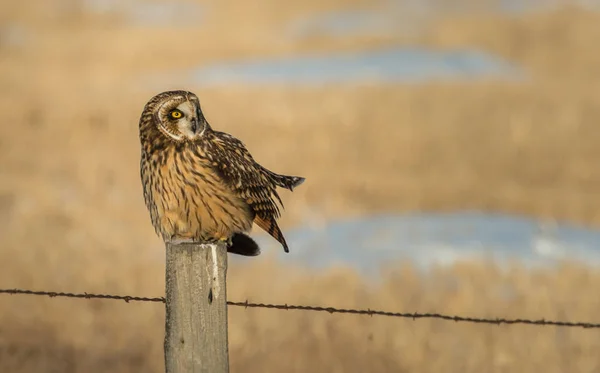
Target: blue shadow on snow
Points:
(393, 65)
(435, 239)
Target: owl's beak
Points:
(194, 126)
(199, 124)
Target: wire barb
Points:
(331, 310)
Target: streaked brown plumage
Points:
(203, 185)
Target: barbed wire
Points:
(331, 310)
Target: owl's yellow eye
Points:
(176, 114)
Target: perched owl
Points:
(202, 185)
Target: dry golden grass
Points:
(97, 336)
(72, 216)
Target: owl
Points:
(202, 185)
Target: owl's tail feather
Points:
(242, 244)
(284, 181)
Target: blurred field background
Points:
(75, 74)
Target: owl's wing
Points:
(250, 181)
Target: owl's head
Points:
(176, 115)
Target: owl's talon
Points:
(216, 240)
(227, 240)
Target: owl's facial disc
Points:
(183, 122)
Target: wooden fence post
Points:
(196, 308)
